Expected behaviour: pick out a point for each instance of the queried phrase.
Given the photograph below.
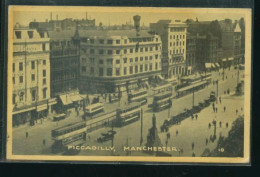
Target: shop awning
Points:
(65, 99)
(41, 107)
(208, 65)
(75, 98)
(212, 65)
(230, 59)
(217, 65)
(224, 59)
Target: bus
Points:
(138, 96)
(128, 114)
(94, 109)
(70, 134)
(162, 101)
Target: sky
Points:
(120, 16)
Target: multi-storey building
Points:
(64, 62)
(238, 51)
(190, 53)
(206, 51)
(30, 75)
(173, 36)
(117, 60)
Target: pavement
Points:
(189, 131)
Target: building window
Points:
(92, 60)
(170, 44)
(13, 80)
(92, 41)
(18, 34)
(146, 57)
(156, 66)
(131, 69)
(141, 49)
(101, 51)
(141, 68)
(117, 61)
(101, 41)
(13, 67)
(33, 77)
(125, 41)
(156, 39)
(156, 48)
(146, 49)
(44, 93)
(141, 58)
(33, 64)
(173, 36)
(151, 48)
(84, 60)
(125, 60)
(83, 69)
(44, 73)
(118, 71)
(14, 98)
(180, 36)
(183, 36)
(182, 50)
(136, 59)
(146, 67)
(30, 34)
(117, 41)
(177, 36)
(110, 61)
(156, 56)
(151, 57)
(117, 51)
(101, 62)
(92, 51)
(170, 36)
(21, 79)
(151, 67)
(43, 46)
(44, 81)
(183, 43)
(33, 95)
(20, 66)
(131, 60)
(131, 50)
(109, 41)
(110, 52)
(125, 51)
(125, 71)
(136, 69)
(101, 72)
(44, 62)
(21, 96)
(109, 71)
(92, 71)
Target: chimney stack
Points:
(137, 19)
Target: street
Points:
(190, 131)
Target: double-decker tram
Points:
(162, 101)
(94, 109)
(69, 135)
(128, 114)
(138, 96)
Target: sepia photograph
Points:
(129, 84)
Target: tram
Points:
(71, 134)
(138, 96)
(162, 101)
(128, 114)
(94, 109)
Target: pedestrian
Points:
(226, 77)
(181, 150)
(225, 92)
(192, 145)
(241, 108)
(26, 134)
(216, 110)
(168, 135)
(224, 108)
(207, 141)
(209, 125)
(228, 91)
(177, 132)
(193, 154)
(43, 142)
(220, 99)
(220, 124)
(192, 116)
(236, 111)
(227, 125)
(196, 116)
